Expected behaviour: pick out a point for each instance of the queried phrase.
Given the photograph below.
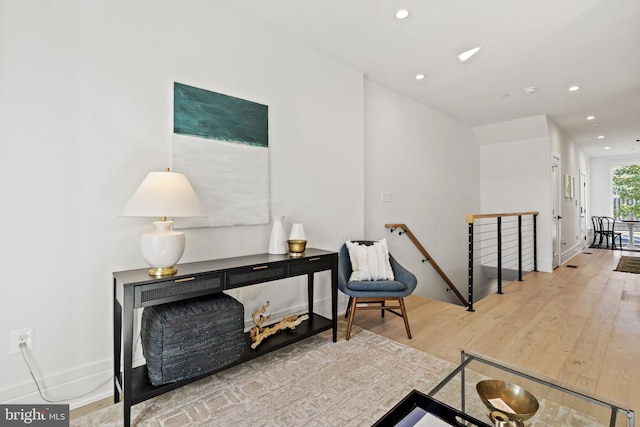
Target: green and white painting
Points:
(222, 144)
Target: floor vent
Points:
(572, 266)
(588, 253)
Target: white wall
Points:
(86, 112)
(515, 159)
(429, 164)
(572, 163)
(515, 178)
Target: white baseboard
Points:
(77, 387)
(91, 383)
(570, 253)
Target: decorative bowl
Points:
(523, 404)
(296, 247)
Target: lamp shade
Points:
(164, 194)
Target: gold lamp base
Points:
(163, 271)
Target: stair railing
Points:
(405, 230)
(494, 244)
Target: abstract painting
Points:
(222, 144)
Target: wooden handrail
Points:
(428, 257)
(472, 217)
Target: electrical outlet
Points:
(23, 336)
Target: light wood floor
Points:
(578, 325)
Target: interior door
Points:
(555, 210)
(583, 209)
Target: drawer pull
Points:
(186, 279)
(262, 267)
(314, 259)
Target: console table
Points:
(135, 289)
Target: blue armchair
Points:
(375, 291)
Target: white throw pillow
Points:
(370, 262)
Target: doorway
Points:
(583, 209)
(555, 210)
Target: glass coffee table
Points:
(531, 400)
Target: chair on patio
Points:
(373, 283)
(607, 231)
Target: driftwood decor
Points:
(258, 333)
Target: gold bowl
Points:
(523, 403)
(296, 247)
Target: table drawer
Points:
(310, 265)
(177, 289)
(255, 274)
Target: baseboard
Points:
(94, 382)
(76, 387)
(570, 253)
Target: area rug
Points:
(318, 383)
(314, 382)
(629, 264)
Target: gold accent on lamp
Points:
(162, 195)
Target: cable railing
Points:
(501, 247)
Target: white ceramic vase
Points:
(278, 238)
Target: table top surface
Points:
(574, 406)
(141, 275)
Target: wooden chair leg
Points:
(382, 305)
(404, 317)
(352, 313)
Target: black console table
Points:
(134, 289)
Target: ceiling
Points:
(547, 44)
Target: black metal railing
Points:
(501, 247)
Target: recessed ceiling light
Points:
(529, 90)
(402, 14)
(600, 136)
(419, 76)
(606, 147)
(594, 124)
(591, 117)
(468, 54)
(574, 88)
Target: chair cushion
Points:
(376, 285)
(370, 262)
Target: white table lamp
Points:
(162, 195)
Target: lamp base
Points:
(162, 271)
(162, 248)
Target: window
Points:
(626, 192)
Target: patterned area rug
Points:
(314, 382)
(317, 383)
(629, 264)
